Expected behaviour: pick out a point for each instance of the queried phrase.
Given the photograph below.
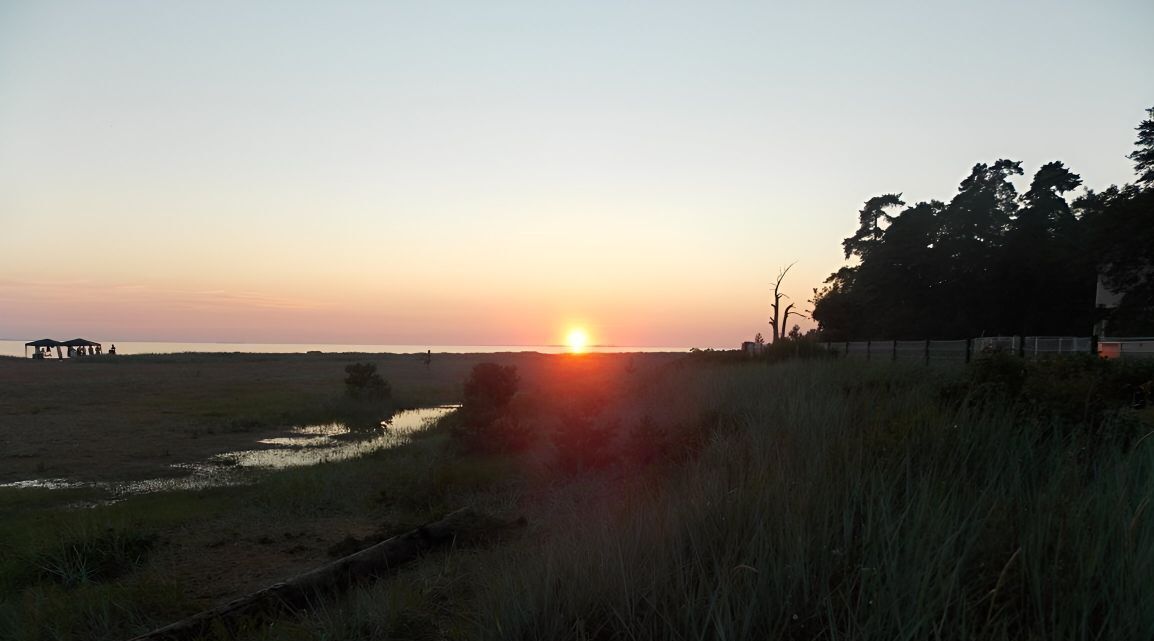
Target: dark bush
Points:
(364, 383)
(796, 346)
(484, 423)
(491, 386)
(582, 441)
(1086, 398)
(711, 355)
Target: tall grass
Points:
(78, 575)
(803, 500)
(842, 503)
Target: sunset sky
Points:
(478, 173)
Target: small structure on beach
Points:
(753, 348)
(42, 345)
(76, 347)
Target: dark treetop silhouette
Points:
(993, 262)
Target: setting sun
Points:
(577, 340)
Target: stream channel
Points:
(306, 445)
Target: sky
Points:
(497, 173)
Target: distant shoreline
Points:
(15, 347)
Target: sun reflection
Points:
(577, 340)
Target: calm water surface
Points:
(16, 348)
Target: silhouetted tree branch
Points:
(779, 319)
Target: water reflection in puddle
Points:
(334, 442)
(48, 484)
(308, 445)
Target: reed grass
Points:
(843, 503)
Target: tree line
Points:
(993, 261)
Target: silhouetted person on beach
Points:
(112, 350)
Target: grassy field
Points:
(132, 417)
(668, 497)
(837, 503)
(102, 572)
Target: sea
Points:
(16, 348)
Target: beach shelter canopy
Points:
(80, 342)
(43, 342)
(49, 343)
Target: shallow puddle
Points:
(323, 443)
(308, 445)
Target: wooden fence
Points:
(965, 349)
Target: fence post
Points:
(895, 356)
(1021, 346)
(869, 349)
(1094, 344)
(847, 349)
(969, 349)
(927, 351)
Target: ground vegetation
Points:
(682, 497)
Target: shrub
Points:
(582, 441)
(484, 424)
(1082, 397)
(364, 383)
(491, 386)
(796, 346)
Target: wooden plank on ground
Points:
(461, 526)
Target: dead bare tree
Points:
(780, 317)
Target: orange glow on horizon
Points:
(577, 340)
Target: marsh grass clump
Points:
(94, 557)
(83, 575)
(71, 549)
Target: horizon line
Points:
(427, 345)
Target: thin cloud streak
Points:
(73, 292)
